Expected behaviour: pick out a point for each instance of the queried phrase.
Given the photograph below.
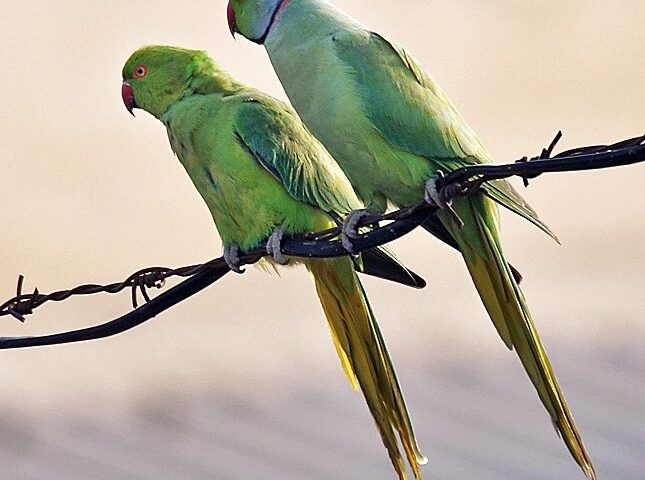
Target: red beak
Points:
(128, 97)
(232, 21)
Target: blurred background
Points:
(242, 380)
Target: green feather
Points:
(276, 137)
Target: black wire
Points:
(404, 221)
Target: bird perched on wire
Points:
(263, 175)
(393, 131)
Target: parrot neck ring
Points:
(232, 21)
(128, 97)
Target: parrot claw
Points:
(350, 230)
(274, 246)
(435, 196)
(232, 259)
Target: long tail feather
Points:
(365, 358)
(508, 309)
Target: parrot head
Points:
(253, 18)
(157, 76)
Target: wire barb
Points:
(383, 229)
(545, 155)
(22, 305)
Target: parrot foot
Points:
(232, 258)
(350, 228)
(435, 195)
(274, 246)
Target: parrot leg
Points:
(274, 246)
(350, 230)
(435, 196)
(232, 259)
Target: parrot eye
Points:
(140, 71)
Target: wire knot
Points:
(22, 305)
(21, 308)
(545, 155)
(142, 281)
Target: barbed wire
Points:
(460, 182)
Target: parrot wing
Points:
(275, 136)
(412, 113)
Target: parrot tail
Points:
(479, 243)
(364, 357)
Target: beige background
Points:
(89, 194)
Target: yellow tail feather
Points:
(509, 312)
(364, 357)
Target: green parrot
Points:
(263, 175)
(391, 129)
